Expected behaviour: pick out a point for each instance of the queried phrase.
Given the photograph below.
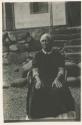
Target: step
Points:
(74, 81)
(68, 42)
(77, 53)
(67, 30)
(73, 57)
(67, 36)
(59, 44)
(73, 46)
(72, 49)
(74, 42)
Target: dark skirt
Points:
(49, 102)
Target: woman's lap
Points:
(50, 102)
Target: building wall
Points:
(23, 18)
(59, 13)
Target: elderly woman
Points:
(49, 95)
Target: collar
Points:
(46, 52)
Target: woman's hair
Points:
(46, 35)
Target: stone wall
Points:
(68, 38)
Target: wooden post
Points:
(51, 19)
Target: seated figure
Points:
(48, 95)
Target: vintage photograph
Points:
(41, 53)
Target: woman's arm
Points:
(37, 78)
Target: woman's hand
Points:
(37, 83)
(57, 83)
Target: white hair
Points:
(46, 35)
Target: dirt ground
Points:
(14, 103)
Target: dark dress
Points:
(48, 101)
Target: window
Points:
(38, 7)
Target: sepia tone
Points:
(24, 20)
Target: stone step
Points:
(62, 43)
(73, 57)
(77, 53)
(73, 46)
(71, 49)
(74, 42)
(74, 81)
(72, 69)
(68, 41)
(67, 30)
(20, 34)
(67, 36)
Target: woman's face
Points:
(46, 43)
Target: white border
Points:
(1, 91)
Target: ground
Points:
(14, 103)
